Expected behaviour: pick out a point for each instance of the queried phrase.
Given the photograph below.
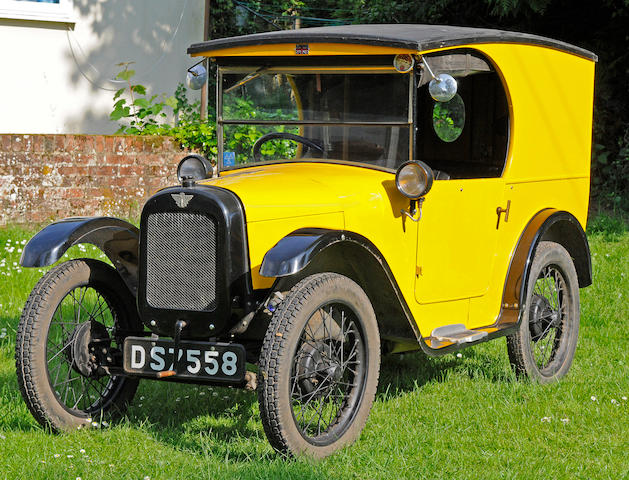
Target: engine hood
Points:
(286, 190)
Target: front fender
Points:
(313, 250)
(116, 238)
(293, 252)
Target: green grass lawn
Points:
(454, 417)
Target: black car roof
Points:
(414, 37)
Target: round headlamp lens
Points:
(193, 167)
(413, 179)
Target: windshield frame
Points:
(289, 69)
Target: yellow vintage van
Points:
(378, 189)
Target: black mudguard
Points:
(547, 225)
(116, 238)
(313, 250)
(293, 252)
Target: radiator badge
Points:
(181, 199)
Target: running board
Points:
(455, 334)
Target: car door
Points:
(465, 140)
(457, 239)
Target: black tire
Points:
(332, 370)
(77, 302)
(543, 347)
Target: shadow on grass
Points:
(199, 418)
(224, 423)
(403, 373)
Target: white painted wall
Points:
(57, 77)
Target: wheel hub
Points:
(542, 316)
(89, 341)
(335, 372)
(315, 365)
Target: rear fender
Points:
(116, 238)
(547, 225)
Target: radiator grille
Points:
(181, 261)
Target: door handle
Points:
(500, 211)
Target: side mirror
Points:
(414, 179)
(196, 77)
(443, 87)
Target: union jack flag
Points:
(302, 49)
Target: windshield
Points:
(271, 116)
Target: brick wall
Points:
(49, 177)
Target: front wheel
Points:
(319, 367)
(543, 347)
(71, 325)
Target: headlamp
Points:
(414, 179)
(194, 167)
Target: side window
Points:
(468, 136)
(448, 119)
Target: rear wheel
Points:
(543, 347)
(70, 326)
(319, 367)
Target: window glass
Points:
(48, 10)
(448, 118)
(316, 97)
(468, 136)
(355, 117)
(379, 146)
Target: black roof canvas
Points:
(413, 37)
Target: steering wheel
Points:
(289, 136)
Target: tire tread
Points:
(37, 305)
(274, 350)
(518, 346)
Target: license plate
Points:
(220, 362)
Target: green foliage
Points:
(142, 115)
(505, 8)
(184, 111)
(146, 116)
(610, 174)
(196, 136)
(240, 138)
(189, 131)
(448, 119)
(611, 227)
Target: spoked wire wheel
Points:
(547, 314)
(544, 346)
(84, 315)
(69, 334)
(319, 367)
(328, 373)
